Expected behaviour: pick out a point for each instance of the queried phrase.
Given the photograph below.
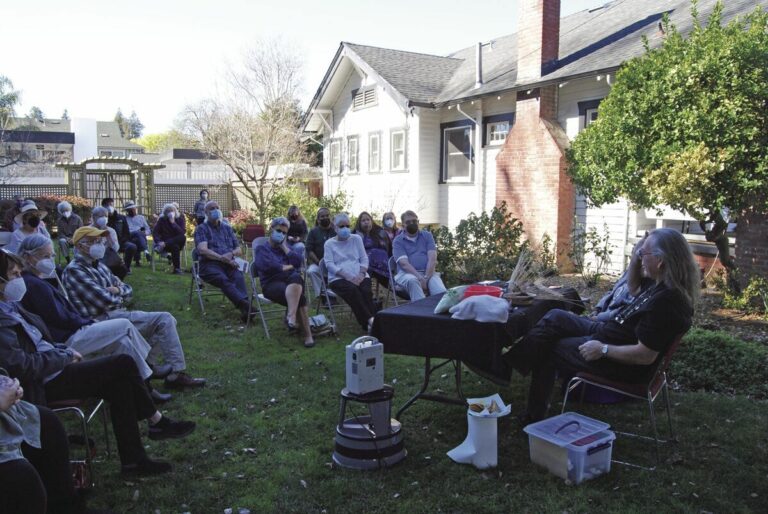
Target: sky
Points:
(156, 56)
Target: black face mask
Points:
(33, 221)
(325, 223)
(294, 217)
(412, 228)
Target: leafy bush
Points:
(544, 260)
(239, 218)
(483, 247)
(585, 243)
(295, 194)
(753, 298)
(715, 361)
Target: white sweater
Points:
(345, 259)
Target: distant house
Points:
(449, 135)
(111, 143)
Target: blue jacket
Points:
(61, 318)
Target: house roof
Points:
(109, 136)
(47, 125)
(592, 41)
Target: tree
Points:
(122, 122)
(65, 115)
(173, 138)
(9, 98)
(686, 125)
(253, 127)
(135, 126)
(35, 113)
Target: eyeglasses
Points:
(100, 240)
(281, 231)
(642, 254)
(342, 226)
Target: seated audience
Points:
(279, 269)
(138, 229)
(663, 277)
(199, 208)
(67, 223)
(315, 247)
(30, 220)
(50, 373)
(34, 457)
(615, 300)
(119, 224)
(376, 245)
(218, 247)
(389, 224)
(96, 293)
(9, 222)
(170, 236)
(416, 256)
(347, 265)
(297, 233)
(111, 259)
(89, 337)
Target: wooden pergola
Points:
(120, 178)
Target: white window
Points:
(590, 115)
(335, 157)
(374, 153)
(457, 154)
(497, 132)
(397, 150)
(362, 98)
(352, 154)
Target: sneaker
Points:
(309, 344)
(145, 467)
(167, 428)
(177, 271)
(183, 380)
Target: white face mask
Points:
(111, 209)
(66, 214)
(101, 222)
(14, 289)
(45, 267)
(97, 251)
(389, 222)
(171, 215)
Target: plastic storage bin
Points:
(479, 290)
(571, 446)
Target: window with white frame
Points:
(335, 158)
(497, 132)
(352, 154)
(588, 110)
(397, 150)
(590, 115)
(458, 156)
(374, 152)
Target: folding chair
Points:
(647, 391)
(393, 288)
(76, 407)
(267, 308)
(250, 234)
(197, 286)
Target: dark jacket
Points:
(165, 230)
(19, 355)
(44, 300)
(120, 224)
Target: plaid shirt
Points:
(220, 239)
(87, 285)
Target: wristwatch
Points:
(604, 350)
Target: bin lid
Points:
(566, 428)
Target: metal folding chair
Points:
(393, 288)
(647, 391)
(267, 309)
(76, 407)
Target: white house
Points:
(450, 135)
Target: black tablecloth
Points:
(414, 329)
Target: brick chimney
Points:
(530, 168)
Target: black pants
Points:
(174, 246)
(115, 379)
(43, 477)
(129, 253)
(357, 297)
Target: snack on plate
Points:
(493, 407)
(476, 407)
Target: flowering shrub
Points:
(239, 218)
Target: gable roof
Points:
(592, 42)
(108, 136)
(47, 125)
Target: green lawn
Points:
(266, 424)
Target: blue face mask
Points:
(215, 215)
(343, 232)
(277, 236)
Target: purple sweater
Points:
(165, 230)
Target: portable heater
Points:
(365, 365)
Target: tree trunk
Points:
(717, 234)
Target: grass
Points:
(266, 424)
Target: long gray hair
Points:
(680, 271)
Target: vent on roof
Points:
(362, 98)
(104, 135)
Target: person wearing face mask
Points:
(51, 372)
(199, 208)
(297, 233)
(376, 245)
(96, 293)
(315, 249)
(416, 256)
(138, 229)
(278, 266)
(389, 225)
(347, 264)
(111, 257)
(66, 225)
(64, 322)
(119, 223)
(31, 220)
(170, 236)
(217, 247)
